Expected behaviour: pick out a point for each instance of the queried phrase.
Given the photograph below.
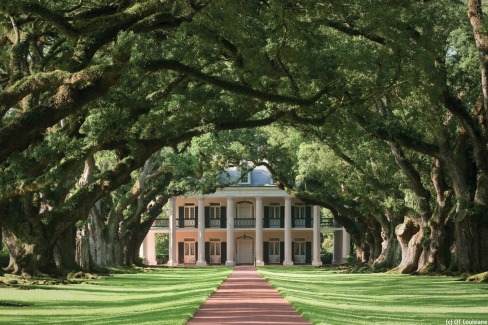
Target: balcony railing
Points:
(299, 223)
(189, 223)
(244, 223)
(214, 223)
(274, 223)
(329, 223)
(161, 223)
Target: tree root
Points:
(480, 277)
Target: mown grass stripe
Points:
(164, 296)
(335, 298)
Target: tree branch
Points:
(34, 8)
(344, 28)
(45, 80)
(173, 65)
(398, 136)
(478, 139)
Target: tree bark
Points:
(65, 251)
(390, 246)
(409, 235)
(83, 250)
(28, 257)
(436, 255)
(476, 18)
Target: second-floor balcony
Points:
(247, 223)
(274, 223)
(161, 223)
(329, 223)
(300, 223)
(189, 223)
(214, 223)
(244, 223)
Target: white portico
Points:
(252, 222)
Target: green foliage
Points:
(326, 250)
(125, 81)
(162, 244)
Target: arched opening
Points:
(245, 210)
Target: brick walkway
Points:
(246, 298)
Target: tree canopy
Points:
(109, 107)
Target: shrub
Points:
(326, 257)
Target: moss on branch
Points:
(173, 65)
(36, 9)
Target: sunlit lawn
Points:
(335, 298)
(165, 296)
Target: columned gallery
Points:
(251, 222)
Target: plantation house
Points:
(250, 222)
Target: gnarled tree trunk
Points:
(390, 246)
(83, 250)
(29, 255)
(64, 251)
(409, 235)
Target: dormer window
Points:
(245, 179)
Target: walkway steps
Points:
(246, 298)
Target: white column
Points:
(288, 260)
(201, 233)
(172, 260)
(337, 255)
(151, 248)
(316, 237)
(259, 231)
(230, 232)
(142, 250)
(346, 244)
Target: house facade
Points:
(251, 222)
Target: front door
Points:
(299, 252)
(215, 252)
(190, 253)
(274, 252)
(245, 252)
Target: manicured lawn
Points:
(336, 298)
(165, 296)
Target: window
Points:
(215, 249)
(189, 246)
(299, 212)
(189, 211)
(214, 211)
(245, 179)
(274, 211)
(300, 249)
(245, 210)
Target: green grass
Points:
(327, 297)
(165, 296)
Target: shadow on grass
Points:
(327, 295)
(162, 296)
